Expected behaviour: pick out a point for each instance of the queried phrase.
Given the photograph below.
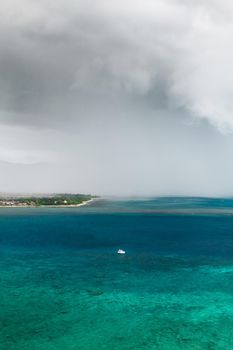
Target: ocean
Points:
(63, 286)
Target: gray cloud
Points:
(55, 56)
(117, 97)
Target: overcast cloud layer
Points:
(116, 97)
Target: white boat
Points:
(120, 251)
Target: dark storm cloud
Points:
(56, 56)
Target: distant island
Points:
(51, 200)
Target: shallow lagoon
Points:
(62, 285)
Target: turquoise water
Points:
(62, 285)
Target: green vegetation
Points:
(50, 200)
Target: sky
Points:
(116, 98)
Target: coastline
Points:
(84, 203)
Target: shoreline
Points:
(82, 204)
